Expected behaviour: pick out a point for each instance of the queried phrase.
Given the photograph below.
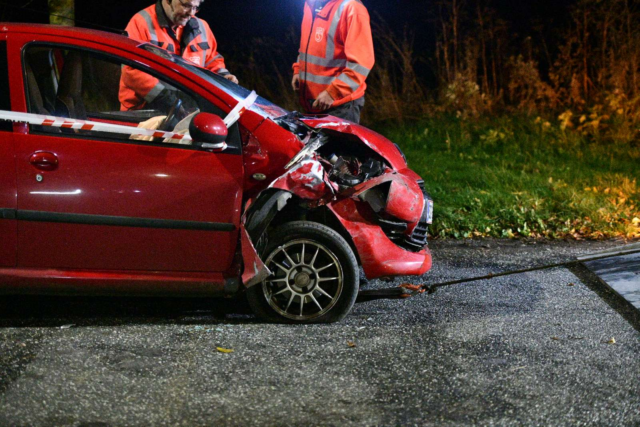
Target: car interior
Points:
(70, 84)
(84, 86)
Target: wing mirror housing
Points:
(209, 132)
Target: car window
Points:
(261, 106)
(84, 85)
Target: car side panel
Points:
(8, 201)
(8, 226)
(130, 283)
(64, 215)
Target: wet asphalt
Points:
(551, 347)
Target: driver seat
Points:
(36, 103)
(69, 101)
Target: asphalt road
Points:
(546, 348)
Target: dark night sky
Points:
(236, 22)
(242, 19)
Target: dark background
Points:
(259, 39)
(245, 19)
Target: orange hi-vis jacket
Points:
(336, 52)
(194, 42)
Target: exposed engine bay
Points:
(352, 168)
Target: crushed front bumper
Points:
(379, 256)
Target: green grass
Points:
(519, 177)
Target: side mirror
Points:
(209, 132)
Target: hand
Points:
(165, 100)
(323, 102)
(295, 83)
(232, 78)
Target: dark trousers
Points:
(349, 111)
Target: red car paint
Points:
(379, 256)
(8, 200)
(115, 181)
(105, 282)
(132, 181)
(266, 151)
(306, 180)
(404, 201)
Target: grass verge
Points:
(516, 176)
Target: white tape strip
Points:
(65, 123)
(239, 109)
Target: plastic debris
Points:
(611, 341)
(224, 350)
(412, 290)
(67, 326)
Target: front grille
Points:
(393, 229)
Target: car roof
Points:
(104, 37)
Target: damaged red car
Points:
(202, 188)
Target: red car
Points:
(101, 198)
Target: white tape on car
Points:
(65, 123)
(239, 109)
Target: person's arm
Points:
(214, 61)
(358, 46)
(295, 82)
(144, 85)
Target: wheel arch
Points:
(275, 207)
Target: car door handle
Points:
(44, 160)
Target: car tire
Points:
(315, 276)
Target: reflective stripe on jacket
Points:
(336, 52)
(194, 42)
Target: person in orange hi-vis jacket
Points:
(336, 56)
(173, 26)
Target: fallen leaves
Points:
(224, 350)
(351, 344)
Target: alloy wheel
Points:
(306, 280)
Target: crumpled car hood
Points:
(381, 145)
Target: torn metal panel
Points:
(371, 139)
(305, 179)
(254, 271)
(260, 212)
(404, 197)
(405, 201)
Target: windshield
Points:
(262, 106)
